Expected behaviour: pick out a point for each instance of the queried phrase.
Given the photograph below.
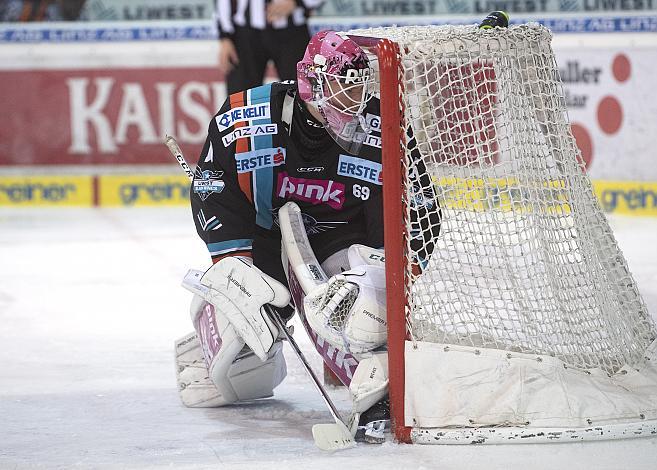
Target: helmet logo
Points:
(356, 76)
(320, 61)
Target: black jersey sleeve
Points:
(223, 212)
(374, 217)
(425, 211)
(424, 208)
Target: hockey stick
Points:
(304, 272)
(327, 436)
(173, 147)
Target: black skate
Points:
(373, 422)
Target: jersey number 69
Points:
(362, 192)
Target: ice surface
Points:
(90, 305)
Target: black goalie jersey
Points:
(264, 150)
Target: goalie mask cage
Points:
(524, 323)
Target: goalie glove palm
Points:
(349, 311)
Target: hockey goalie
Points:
(287, 197)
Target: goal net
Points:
(512, 312)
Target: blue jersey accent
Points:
(260, 158)
(263, 178)
(359, 168)
(213, 224)
(221, 248)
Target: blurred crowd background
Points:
(128, 10)
(90, 87)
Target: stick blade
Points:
(333, 436)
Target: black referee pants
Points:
(255, 47)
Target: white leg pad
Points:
(194, 385)
(235, 373)
(248, 377)
(370, 381)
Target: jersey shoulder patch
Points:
(251, 114)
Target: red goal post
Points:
(393, 162)
(393, 158)
(525, 324)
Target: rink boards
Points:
(82, 104)
(166, 189)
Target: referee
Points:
(252, 32)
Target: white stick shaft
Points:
(174, 148)
(327, 436)
(318, 385)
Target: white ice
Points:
(90, 305)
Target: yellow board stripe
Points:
(46, 190)
(501, 194)
(617, 197)
(627, 197)
(143, 190)
(506, 194)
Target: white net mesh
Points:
(525, 260)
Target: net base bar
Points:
(516, 435)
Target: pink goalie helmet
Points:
(335, 76)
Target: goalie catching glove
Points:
(349, 311)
